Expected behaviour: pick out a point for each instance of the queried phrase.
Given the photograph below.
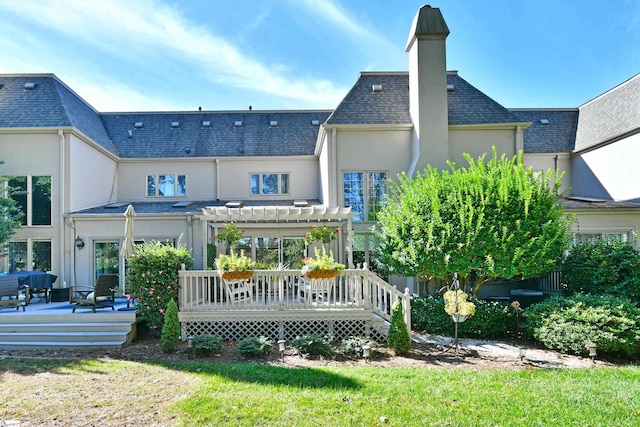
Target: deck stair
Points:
(42, 327)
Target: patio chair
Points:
(101, 296)
(315, 290)
(238, 290)
(10, 289)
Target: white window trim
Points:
(175, 186)
(260, 186)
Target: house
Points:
(277, 172)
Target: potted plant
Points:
(456, 304)
(322, 266)
(235, 267)
(322, 234)
(229, 234)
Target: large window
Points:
(269, 183)
(33, 196)
(166, 186)
(30, 254)
(288, 251)
(607, 236)
(365, 192)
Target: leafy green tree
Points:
(490, 220)
(10, 215)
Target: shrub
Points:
(398, 339)
(171, 328)
(567, 324)
(492, 319)
(152, 279)
(207, 344)
(603, 267)
(254, 347)
(352, 346)
(312, 345)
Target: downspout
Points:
(218, 186)
(332, 160)
(62, 234)
(415, 154)
(555, 169)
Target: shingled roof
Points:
(43, 101)
(551, 130)
(214, 133)
(390, 104)
(610, 116)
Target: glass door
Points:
(106, 258)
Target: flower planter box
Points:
(236, 275)
(321, 274)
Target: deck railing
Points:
(205, 290)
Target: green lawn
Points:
(197, 394)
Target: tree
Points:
(398, 338)
(494, 219)
(10, 215)
(170, 328)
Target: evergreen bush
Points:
(399, 339)
(254, 347)
(171, 328)
(207, 344)
(312, 345)
(567, 324)
(152, 279)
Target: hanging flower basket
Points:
(236, 275)
(459, 318)
(320, 274)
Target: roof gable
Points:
(610, 116)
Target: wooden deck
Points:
(45, 326)
(283, 304)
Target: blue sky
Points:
(150, 55)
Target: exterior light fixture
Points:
(281, 348)
(79, 243)
(592, 351)
(190, 339)
(366, 352)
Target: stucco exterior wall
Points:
(590, 221)
(200, 176)
(37, 154)
(551, 162)
(236, 184)
(477, 142)
(609, 171)
(92, 176)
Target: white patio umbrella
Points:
(127, 245)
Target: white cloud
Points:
(148, 33)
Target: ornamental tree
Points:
(10, 215)
(490, 220)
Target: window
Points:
(365, 192)
(33, 196)
(31, 254)
(287, 251)
(269, 183)
(107, 258)
(609, 237)
(166, 186)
